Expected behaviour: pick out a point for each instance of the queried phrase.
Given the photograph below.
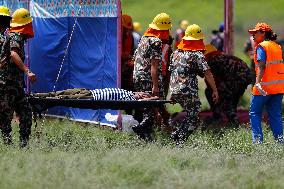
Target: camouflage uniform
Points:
(15, 95)
(232, 76)
(4, 74)
(149, 48)
(184, 68)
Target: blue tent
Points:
(75, 46)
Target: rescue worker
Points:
(127, 53)
(187, 62)
(232, 76)
(180, 32)
(148, 68)
(136, 34)
(5, 55)
(269, 86)
(21, 30)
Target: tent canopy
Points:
(75, 46)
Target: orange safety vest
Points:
(273, 78)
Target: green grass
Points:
(69, 155)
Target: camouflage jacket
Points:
(149, 48)
(17, 42)
(184, 68)
(230, 70)
(4, 58)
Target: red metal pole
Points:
(119, 118)
(229, 29)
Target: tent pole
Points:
(119, 36)
(228, 17)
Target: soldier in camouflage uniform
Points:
(147, 74)
(14, 87)
(232, 76)
(187, 62)
(4, 71)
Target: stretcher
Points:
(42, 104)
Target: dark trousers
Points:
(12, 98)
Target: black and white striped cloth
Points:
(112, 94)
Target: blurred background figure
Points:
(217, 38)
(127, 53)
(281, 42)
(249, 51)
(232, 76)
(127, 65)
(136, 33)
(180, 32)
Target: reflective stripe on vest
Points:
(274, 62)
(273, 78)
(272, 82)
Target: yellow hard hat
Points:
(136, 26)
(21, 17)
(193, 32)
(184, 24)
(209, 49)
(127, 21)
(161, 22)
(4, 11)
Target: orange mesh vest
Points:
(273, 78)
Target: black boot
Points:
(144, 129)
(7, 139)
(178, 137)
(24, 141)
(183, 131)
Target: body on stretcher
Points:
(109, 98)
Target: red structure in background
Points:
(243, 116)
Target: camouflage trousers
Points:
(13, 99)
(191, 121)
(145, 115)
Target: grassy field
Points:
(69, 155)
(209, 14)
